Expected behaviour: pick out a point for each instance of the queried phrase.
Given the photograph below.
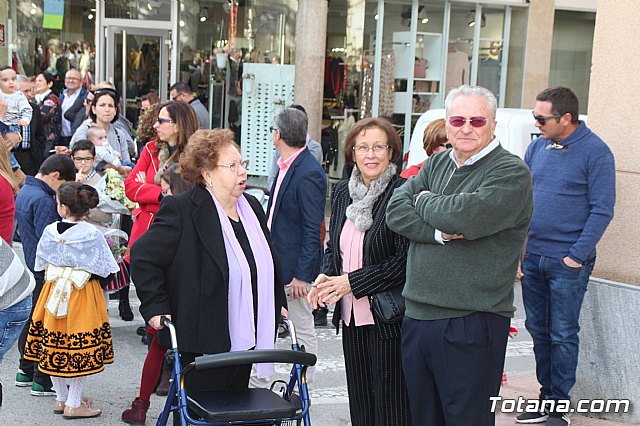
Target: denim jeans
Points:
(12, 320)
(553, 293)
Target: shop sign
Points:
(2, 35)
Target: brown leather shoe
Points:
(81, 412)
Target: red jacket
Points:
(145, 194)
(7, 210)
(411, 171)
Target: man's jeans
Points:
(12, 320)
(553, 293)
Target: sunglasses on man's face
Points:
(457, 121)
(541, 119)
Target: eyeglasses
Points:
(83, 159)
(476, 122)
(273, 129)
(364, 149)
(72, 78)
(233, 167)
(164, 120)
(541, 119)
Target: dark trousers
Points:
(453, 366)
(30, 367)
(375, 382)
(216, 378)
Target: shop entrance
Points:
(137, 62)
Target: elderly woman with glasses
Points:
(103, 113)
(364, 257)
(207, 263)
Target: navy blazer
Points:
(297, 215)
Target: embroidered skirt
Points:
(78, 344)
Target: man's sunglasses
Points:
(541, 119)
(476, 122)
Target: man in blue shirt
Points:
(573, 175)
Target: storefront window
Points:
(54, 41)
(515, 70)
(157, 10)
(571, 53)
(216, 38)
(490, 50)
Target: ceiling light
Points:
(204, 14)
(471, 19)
(181, 23)
(90, 16)
(422, 16)
(32, 11)
(149, 6)
(376, 17)
(33, 5)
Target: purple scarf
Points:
(242, 329)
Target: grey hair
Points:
(292, 125)
(466, 90)
(21, 78)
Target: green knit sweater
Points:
(490, 203)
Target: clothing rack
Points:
(346, 113)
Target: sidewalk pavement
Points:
(527, 387)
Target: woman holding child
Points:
(103, 113)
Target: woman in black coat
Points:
(207, 262)
(364, 257)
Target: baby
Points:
(104, 151)
(19, 111)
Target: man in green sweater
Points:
(466, 213)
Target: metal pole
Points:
(175, 51)
(212, 80)
(124, 73)
(504, 57)
(476, 46)
(377, 60)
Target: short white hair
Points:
(466, 90)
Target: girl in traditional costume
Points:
(69, 335)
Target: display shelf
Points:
(421, 93)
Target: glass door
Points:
(137, 63)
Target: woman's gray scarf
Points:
(361, 209)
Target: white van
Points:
(515, 131)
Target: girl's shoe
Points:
(137, 414)
(59, 406)
(81, 412)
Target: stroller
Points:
(240, 406)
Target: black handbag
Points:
(388, 305)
